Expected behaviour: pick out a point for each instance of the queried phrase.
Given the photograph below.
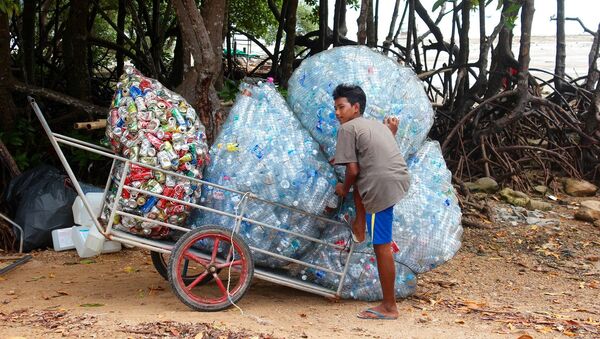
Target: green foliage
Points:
(79, 158)
(438, 3)
(512, 13)
(10, 7)
(23, 142)
(229, 91)
(307, 19)
(253, 17)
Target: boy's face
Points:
(344, 111)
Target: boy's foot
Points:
(358, 232)
(378, 313)
(392, 124)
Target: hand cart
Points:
(213, 276)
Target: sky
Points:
(587, 10)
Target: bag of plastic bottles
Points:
(391, 90)
(155, 126)
(426, 230)
(264, 149)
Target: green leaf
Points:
(91, 305)
(87, 261)
(437, 4)
(15, 140)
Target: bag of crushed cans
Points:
(152, 125)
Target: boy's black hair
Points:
(354, 94)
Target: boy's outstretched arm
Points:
(352, 171)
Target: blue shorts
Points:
(379, 226)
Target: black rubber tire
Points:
(224, 234)
(161, 265)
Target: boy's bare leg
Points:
(387, 278)
(359, 224)
(392, 124)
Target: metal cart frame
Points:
(178, 283)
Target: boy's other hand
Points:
(339, 189)
(392, 124)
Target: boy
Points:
(377, 170)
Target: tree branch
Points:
(49, 94)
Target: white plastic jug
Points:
(81, 215)
(89, 242)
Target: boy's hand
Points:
(392, 124)
(339, 189)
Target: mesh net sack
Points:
(150, 124)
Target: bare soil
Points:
(524, 281)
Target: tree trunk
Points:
(371, 27)
(362, 22)
(288, 55)
(559, 64)
(523, 76)
(75, 49)
(176, 76)
(502, 56)
(593, 74)
(387, 43)
(213, 13)
(339, 22)
(29, 40)
(462, 82)
(323, 16)
(120, 39)
(275, 61)
(7, 109)
(411, 28)
(197, 86)
(8, 161)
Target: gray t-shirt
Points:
(383, 179)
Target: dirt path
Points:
(506, 282)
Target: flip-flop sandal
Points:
(377, 315)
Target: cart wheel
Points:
(160, 262)
(228, 261)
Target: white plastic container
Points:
(62, 239)
(89, 242)
(80, 235)
(81, 215)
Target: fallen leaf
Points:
(302, 315)
(129, 269)
(199, 335)
(175, 332)
(569, 333)
(2, 279)
(544, 329)
(51, 275)
(525, 336)
(459, 321)
(35, 278)
(474, 305)
(91, 305)
(87, 261)
(62, 293)
(67, 282)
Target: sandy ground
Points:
(505, 282)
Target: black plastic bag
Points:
(40, 201)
